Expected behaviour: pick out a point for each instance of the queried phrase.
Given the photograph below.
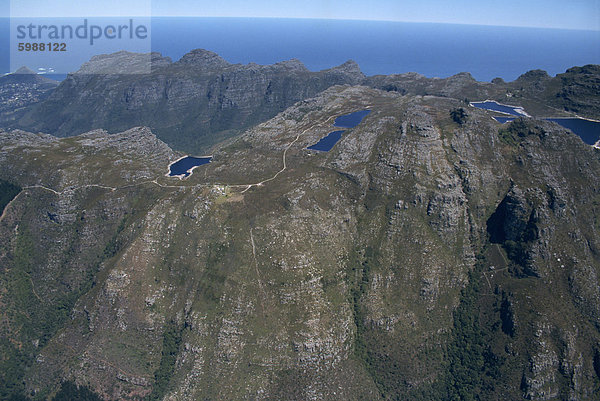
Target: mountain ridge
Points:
(202, 99)
(420, 258)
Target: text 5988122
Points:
(42, 47)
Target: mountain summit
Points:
(24, 70)
(204, 59)
(192, 103)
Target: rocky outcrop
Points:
(202, 99)
(192, 103)
(574, 91)
(123, 62)
(203, 59)
(578, 90)
(113, 159)
(389, 267)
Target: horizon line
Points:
(321, 19)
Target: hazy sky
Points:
(570, 14)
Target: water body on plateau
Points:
(500, 108)
(346, 121)
(351, 120)
(587, 130)
(184, 166)
(326, 143)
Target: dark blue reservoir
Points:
(184, 166)
(350, 120)
(326, 143)
(496, 107)
(503, 120)
(346, 121)
(588, 131)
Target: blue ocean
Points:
(434, 50)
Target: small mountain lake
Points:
(588, 131)
(326, 143)
(184, 166)
(500, 108)
(351, 120)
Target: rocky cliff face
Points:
(579, 90)
(419, 259)
(573, 92)
(200, 100)
(192, 103)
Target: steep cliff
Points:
(192, 103)
(202, 99)
(418, 259)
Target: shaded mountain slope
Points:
(419, 259)
(192, 103)
(200, 100)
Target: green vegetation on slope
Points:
(358, 291)
(384, 369)
(37, 319)
(469, 358)
(170, 349)
(27, 313)
(69, 391)
(517, 130)
(458, 115)
(8, 192)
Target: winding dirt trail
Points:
(155, 181)
(258, 184)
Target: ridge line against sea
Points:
(379, 47)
